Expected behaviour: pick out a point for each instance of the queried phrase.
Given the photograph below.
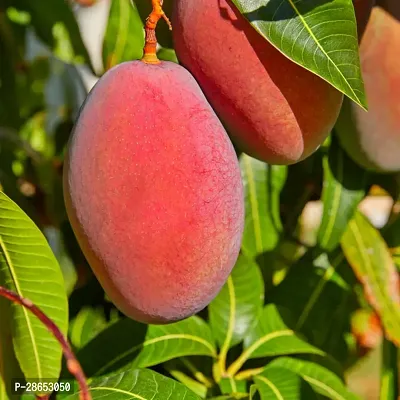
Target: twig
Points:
(72, 363)
(150, 46)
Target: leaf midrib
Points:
(323, 386)
(271, 386)
(173, 336)
(111, 389)
(325, 278)
(320, 47)
(264, 339)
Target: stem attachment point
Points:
(150, 46)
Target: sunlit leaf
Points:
(124, 38)
(318, 35)
(279, 383)
(262, 185)
(86, 325)
(322, 380)
(173, 368)
(369, 256)
(140, 384)
(238, 304)
(28, 267)
(273, 335)
(231, 385)
(140, 345)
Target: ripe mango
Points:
(274, 109)
(372, 138)
(153, 192)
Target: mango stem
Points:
(150, 46)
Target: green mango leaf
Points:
(272, 336)
(140, 384)
(55, 24)
(174, 368)
(28, 267)
(253, 392)
(262, 186)
(319, 35)
(232, 396)
(389, 372)
(124, 38)
(344, 188)
(322, 380)
(140, 345)
(280, 383)
(231, 385)
(239, 303)
(86, 325)
(167, 55)
(323, 307)
(369, 256)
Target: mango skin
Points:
(274, 110)
(372, 138)
(153, 192)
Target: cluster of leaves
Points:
(283, 325)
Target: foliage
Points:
(283, 326)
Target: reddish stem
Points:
(72, 363)
(150, 46)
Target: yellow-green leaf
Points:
(369, 256)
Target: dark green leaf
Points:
(86, 325)
(344, 187)
(239, 303)
(318, 35)
(9, 368)
(317, 291)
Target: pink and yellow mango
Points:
(274, 109)
(153, 191)
(372, 138)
